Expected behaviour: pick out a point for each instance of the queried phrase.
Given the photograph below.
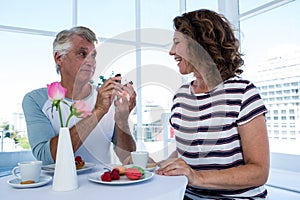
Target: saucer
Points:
(16, 182)
(50, 168)
(148, 168)
(151, 169)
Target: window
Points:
(19, 14)
(283, 118)
(275, 60)
(107, 19)
(28, 65)
(292, 117)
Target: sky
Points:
(27, 62)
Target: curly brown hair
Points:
(214, 34)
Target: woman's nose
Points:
(172, 51)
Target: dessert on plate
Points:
(79, 162)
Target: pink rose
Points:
(56, 91)
(81, 109)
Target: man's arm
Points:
(80, 131)
(39, 128)
(125, 103)
(124, 142)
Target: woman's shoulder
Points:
(184, 88)
(237, 81)
(240, 85)
(185, 85)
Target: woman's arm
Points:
(254, 173)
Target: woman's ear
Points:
(57, 58)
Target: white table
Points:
(158, 187)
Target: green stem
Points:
(67, 123)
(60, 116)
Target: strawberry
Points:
(78, 159)
(106, 176)
(121, 169)
(115, 174)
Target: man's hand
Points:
(125, 102)
(107, 93)
(128, 88)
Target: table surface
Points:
(158, 187)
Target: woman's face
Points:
(180, 51)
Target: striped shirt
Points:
(206, 128)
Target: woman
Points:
(218, 118)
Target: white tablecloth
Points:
(157, 188)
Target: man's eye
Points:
(83, 54)
(94, 55)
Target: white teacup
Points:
(28, 170)
(140, 158)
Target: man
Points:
(74, 54)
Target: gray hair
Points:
(62, 42)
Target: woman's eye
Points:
(176, 41)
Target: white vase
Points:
(65, 175)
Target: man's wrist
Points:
(98, 114)
(124, 126)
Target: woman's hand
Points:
(176, 167)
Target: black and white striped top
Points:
(206, 127)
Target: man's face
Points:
(79, 63)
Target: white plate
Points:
(96, 177)
(50, 168)
(16, 182)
